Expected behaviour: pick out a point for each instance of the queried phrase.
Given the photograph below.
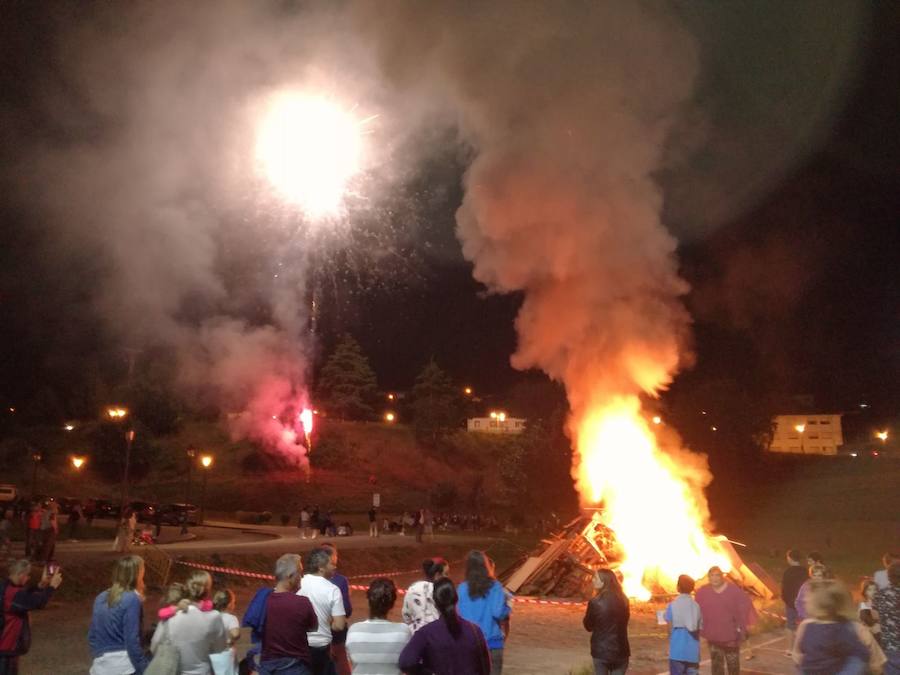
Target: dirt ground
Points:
(544, 640)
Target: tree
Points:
(347, 384)
(436, 404)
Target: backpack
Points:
(166, 659)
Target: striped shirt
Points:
(374, 646)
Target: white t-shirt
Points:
(326, 601)
(881, 579)
(225, 663)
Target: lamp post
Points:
(191, 454)
(117, 414)
(36, 457)
(206, 462)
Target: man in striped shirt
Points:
(374, 646)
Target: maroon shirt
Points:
(726, 615)
(288, 618)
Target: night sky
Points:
(795, 288)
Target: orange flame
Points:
(652, 500)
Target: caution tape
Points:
(226, 570)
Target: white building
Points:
(496, 424)
(807, 434)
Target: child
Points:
(225, 663)
(174, 602)
(683, 617)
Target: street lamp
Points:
(657, 419)
(117, 414)
(467, 391)
(36, 457)
(206, 462)
(882, 436)
(78, 462)
(800, 428)
(191, 454)
(390, 417)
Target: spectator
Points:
(157, 523)
(117, 620)
(814, 558)
(33, 541)
(339, 638)
(74, 518)
(606, 619)
(49, 531)
(868, 615)
(817, 574)
(123, 536)
(419, 524)
(683, 616)
(881, 576)
(255, 620)
(484, 601)
(194, 633)
(793, 578)
(827, 641)
(727, 613)
(374, 645)
(314, 521)
(887, 604)
(449, 646)
(418, 605)
(428, 521)
(329, 607)
(18, 600)
(373, 522)
(225, 662)
(303, 522)
(290, 618)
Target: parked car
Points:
(102, 508)
(145, 510)
(67, 504)
(173, 514)
(8, 493)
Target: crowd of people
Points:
(300, 626)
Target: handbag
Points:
(166, 659)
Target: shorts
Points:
(792, 617)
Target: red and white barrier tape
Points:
(226, 570)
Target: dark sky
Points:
(795, 287)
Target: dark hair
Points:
(795, 555)
(610, 582)
(715, 569)
(433, 566)
(685, 584)
(317, 560)
(815, 556)
(382, 594)
(864, 586)
(477, 575)
(894, 574)
(445, 599)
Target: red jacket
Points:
(15, 629)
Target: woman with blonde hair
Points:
(194, 633)
(116, 623)
(830, 640)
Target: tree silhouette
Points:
(347, 385)
(436, 404)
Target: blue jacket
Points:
(486, 612)
(118, 628)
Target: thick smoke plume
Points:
(567, 107)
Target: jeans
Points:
(892, 667)
(724, 657)
(284, 666)
(604, 668)
(321, 663)
(496, 661)
(683, 667)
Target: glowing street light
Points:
(390, 417)
(493, 415)
(501, 417)
(309, 147)
(69, 427)
(881, 436)
(116, 413)
(800, 428)
(467, 391)
(390, 397)
(206, 461)
(78, 462)
(657, 419)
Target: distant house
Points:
(496, 425)
(812, 434)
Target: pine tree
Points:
(347, 384)
(436, 404)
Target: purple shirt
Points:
(726, 615)
(443, 654)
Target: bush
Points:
(253, 517)
(444, 495)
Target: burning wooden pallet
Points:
(564, 564)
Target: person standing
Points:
(328, 604)
(867, 614)
(683, 616)
(484, 602)
(74, 518)
(419, 524)
(339, 638)
(727, 613)
(18, 600)
(374, 645)
(117, 622)
(450, 646)
(33, 531)
(418, 605)
(818, 573)
(303, 522)
(314, 521)
(290, 618)
(881, 576)
(195, 633)
(887, 604)
(49, 531)
(373, 522)
(827, 641)
(795, 574)
(225, 663)
(606, 619)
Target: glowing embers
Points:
(653, 502)
(309, 147)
